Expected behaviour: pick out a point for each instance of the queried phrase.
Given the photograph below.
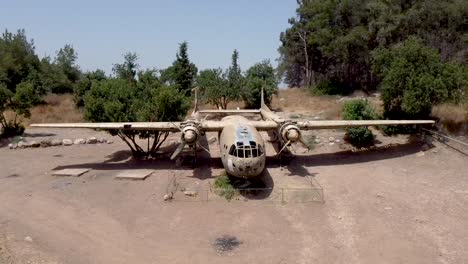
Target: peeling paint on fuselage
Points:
(238, 130)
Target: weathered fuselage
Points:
(242, 148)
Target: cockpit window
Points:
(246, 151)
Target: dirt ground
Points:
(393, 204)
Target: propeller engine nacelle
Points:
(290, 133)
(190, 134)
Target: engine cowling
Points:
(290, 132)
(190, 134)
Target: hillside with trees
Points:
(415, 52)
(129, 93)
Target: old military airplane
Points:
(241, 145)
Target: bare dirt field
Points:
(393, 204)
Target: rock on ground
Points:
(79, 141)
(56, 142)
(45, 143)
(91, 140)
(67, 142)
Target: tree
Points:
(220, 89)
(414, 79)
(128, 69)
(85, 84)
(214, 87)
(18, 61)
(235, 80)
(117, 100)
(261, 75)
(328, 44)
(182, 72)
(63, 73)
(19, 102)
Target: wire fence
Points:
(438, 136)
(313, 192)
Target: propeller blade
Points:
(285, 145)
(304, 144)
(178, 150)
(291, 148)
(199, 145)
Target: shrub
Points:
(224, 187)
(359, 109)
(414, 79)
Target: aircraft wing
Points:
(230, 111)
(208, 125)
(158, 126)
(331, 124)
(211, 125)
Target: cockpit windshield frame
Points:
(240, 150)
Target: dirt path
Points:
(390, 205)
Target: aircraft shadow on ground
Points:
(122, 160)
(296, 165)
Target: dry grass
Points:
(57, 109)
(301, 101)
(454, 118)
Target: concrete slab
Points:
(134, 174)
(70, 172)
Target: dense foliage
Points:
(20, 80)
(413, 50)
(182, 72)
(359, 109)
(260, 75)
(129, 99)
(220, 88)
(330, 42)
(414, 79)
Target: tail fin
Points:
(195, 108)
(262, 104)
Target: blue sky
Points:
(102, 31)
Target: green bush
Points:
(224, 187)
(359, 109)
(414, 79)
(359, 136)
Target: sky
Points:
(102, 31)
